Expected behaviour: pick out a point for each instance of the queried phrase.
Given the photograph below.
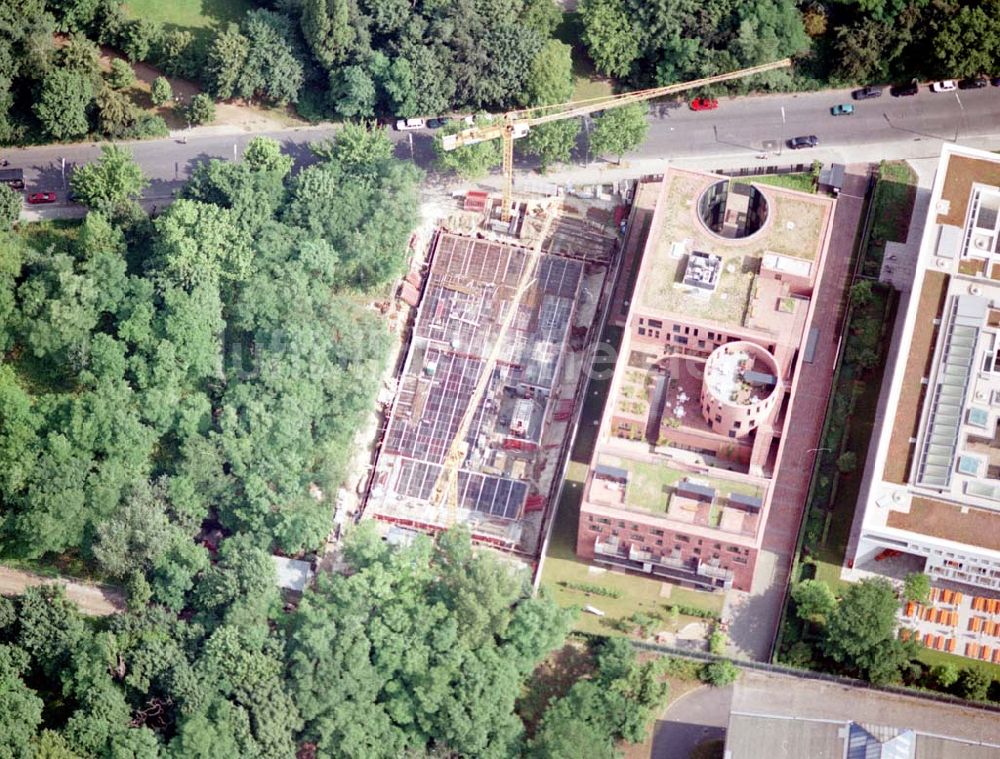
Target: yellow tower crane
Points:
(509, 127)
(514, 124)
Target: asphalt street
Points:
(741, 130)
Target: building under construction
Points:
(517, 430)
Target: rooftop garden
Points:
(795, 228)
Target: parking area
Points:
(956, 623)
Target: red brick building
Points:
(691, 437)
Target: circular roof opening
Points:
(733, 209)
(741, 374)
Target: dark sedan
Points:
(975, 83)
(806, 141)
(866, 93)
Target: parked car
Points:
(973, 83)
(704, 104)
(904, 90)
(406, 125)
(945, 85)
(437, 123)
(42, 197)
(995, 81)
(842, 109)
(806, 141)
(866, 93)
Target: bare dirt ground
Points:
(95, 600)
(235, 113)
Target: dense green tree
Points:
(553, 142)
(74, 15)
(111, 182)
(121, 74)
(542, 15)
(58, 305)
(917, 587)
(20, 707)
(81, 56)
(199, 243)
(814, 601)
(550, 79)
(469, 162)
(564, 733)
(19, 427)
(397, 80)
(419, 671)
(160, 92)
(264, 154)
(974, 683)
(137, 38)
(49, 628)
(116, 113)
(968, 41)
(137, 534)
(328, 29)
(945, 675)
(62, 104)
(201, 110)
(176, 54)
(271, 70)
(226, 62)
(861, 51)
(719, 673)
(375, 210)
(620, 130)
(11, 202)
(358, 147)
(861, 633)
(611, 36)
(352, 92)
(175, 570)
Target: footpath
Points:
(94, 600)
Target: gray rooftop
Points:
(753, 736)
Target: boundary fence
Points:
(858, 254)
(805, 674)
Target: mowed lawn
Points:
(932, 658)
(639, 594)
(189, 14)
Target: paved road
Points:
(697, 716)
(739, 130)
(97, 600)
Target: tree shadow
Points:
(678, 740)
(552, 680)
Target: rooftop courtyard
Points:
(690, 495)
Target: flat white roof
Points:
(293, 574)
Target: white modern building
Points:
(932, 485)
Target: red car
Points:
(42, 197)
(704, 104)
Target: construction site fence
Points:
(802, 674)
